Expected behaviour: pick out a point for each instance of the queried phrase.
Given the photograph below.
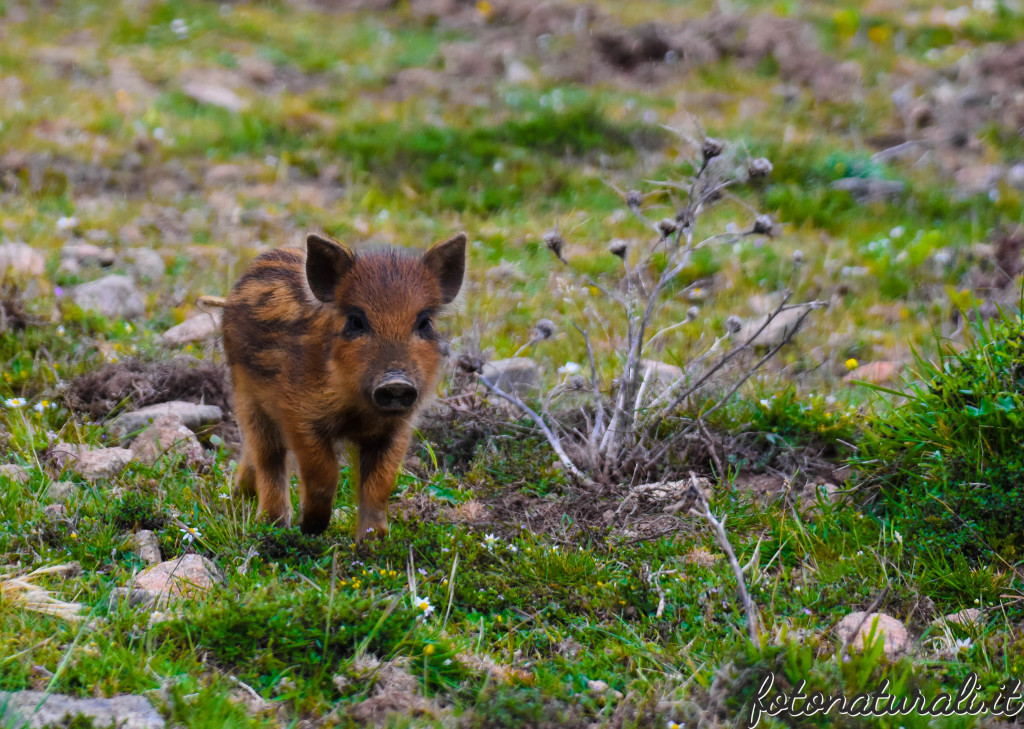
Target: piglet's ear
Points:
(327, 262)
(447, 261)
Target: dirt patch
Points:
(135, 383)
(395, 691)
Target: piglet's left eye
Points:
(424, 325)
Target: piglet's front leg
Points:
(378, 468)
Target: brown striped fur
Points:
(328, 345)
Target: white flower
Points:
(898, 536)
(490, 540)
(190, 534)
(66, 222)
(674, 725)
(897, 232)
(569, 368)
(60, 329)
(423, 605)
(962, 644)
(513, 548)
(766, 403)
(15, 402)
(179, 27)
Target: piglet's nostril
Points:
(395, 393)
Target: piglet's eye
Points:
(425, 325)
(356, 325)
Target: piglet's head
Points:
(384, 303)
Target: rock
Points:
(92, 464)
(775, 332)
(61, 490)
(147, 263)
(147, 546)
(659, 376)
(198, 328)
(87, 254)
(113, 296)
(14, 472)
(192, 417)
(37, 709)
(1016, 176)
(21, 258)
(186, 576)
(894, 633)
(966, 618)
(167, 436)
(597, 687)
(978, 179)
(517, 72)
(517, 375)
(877, 373)
(215, 95)
(55, 512)
(866, 189)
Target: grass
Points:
(539, 597)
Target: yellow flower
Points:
(393, 573)
(485, 9)
(852, 364)
(73, 535)
(428, 649)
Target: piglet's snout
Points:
(395, 393)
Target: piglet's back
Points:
(271, 317)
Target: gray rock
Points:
(14, 472)
(88, 254)
(55, 512)
(185, 576)
(198, 328)
(147, 546)
(192, 416)
(36, 709)
(92, 464)
(781, 326)
(113, 296)
(966, 618)
(61, 490)
(855, 628)
(519, 375)
(21, 258)
(659, 376)
(215, 95)
(147, 263)
(169, 437)
(1016, 176)
(866, 189)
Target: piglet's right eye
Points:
(356, 325)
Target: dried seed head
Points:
(712, 148)
(554, 240)
(733, 324)
(618, 248)
(634, 198)
(576, 382)
(684, 218)
(667, 226)
(763, 225)
(543, 329)
(691, 313)
(798, 256)
(759, 167)
(469, 363)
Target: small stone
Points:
(517, 72)
(92, 464)
(147, 263)
(894, 633)
(192, 416)
(966, 618)
(659, 376)
(215, 95)
(516, 375)
(1015, 176)
(61, 490)
(87, 254)
(775, 332)
(198, 328)
(38, 709)
(185, 576)
(55, 512)
(597, 687)
(167, 436)
(113, 296)
(14, 472)
(21, 258)
(877, 373)
(146, 545)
